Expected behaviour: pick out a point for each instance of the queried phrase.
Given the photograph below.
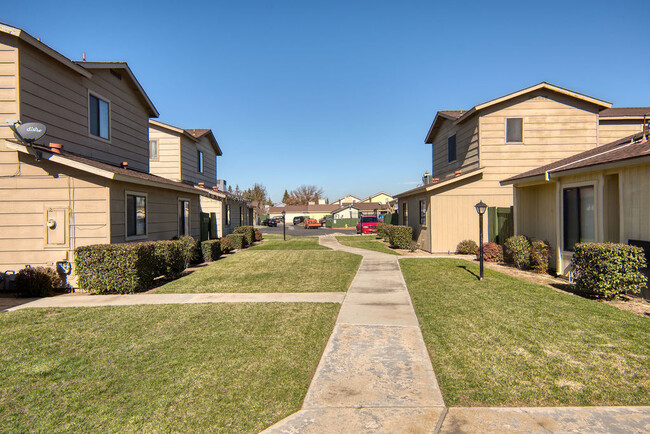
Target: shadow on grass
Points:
(464, 267)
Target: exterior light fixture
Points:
(480, 209)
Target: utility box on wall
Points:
(56, 226)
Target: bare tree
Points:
(258, 194)
(304, 194)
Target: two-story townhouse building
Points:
(190, 156)
(87, 180)
(473, 150)
(380, 197)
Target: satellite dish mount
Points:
(28, 133)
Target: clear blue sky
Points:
(341, 94)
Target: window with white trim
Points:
(579, 225)
(423, 212)
(99, 116)
(153, 150)
(183, 217)
(136, 215)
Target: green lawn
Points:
(292, 243)
(169, 368)
(368, 242)
(271, 271)
(507, 342)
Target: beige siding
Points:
(168, 163)
(467, 136)
(76, 201)
(58, 97)
(611, 130)
(162, 211)
(210, 205)
(636, 203)
(535, 211)
(421, 232)
(8, 100)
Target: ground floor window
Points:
(241, 216)
(227, 214)
(136, 215)
(579, 216)
(405, 214)
(183, 217)
(423, 213)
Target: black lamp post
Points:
(284, 225)
(480, 209)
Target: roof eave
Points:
(513, 181)
(632, 161)
(431, 187)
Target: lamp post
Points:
(284, 225)
(480, 209)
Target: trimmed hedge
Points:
(171, 258)
(517, 251)
(237, 241)
(467, 247)
(38, 281)
(122, 268)
(539, 254)
(608, 269)
(492, 252)
(211, 250)
(400, 236)
(226, 245)
(249, 233)
(382, 231)
(192, 249)
(259, 236)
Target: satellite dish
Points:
(29, 132)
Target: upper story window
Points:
(451, 148)
(153, 150)
(514, 130)
(99, 116)
(200, 161)
(579, 216)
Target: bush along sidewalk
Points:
(237, 241)
(608, 269)
(249, 233)
(211, 250)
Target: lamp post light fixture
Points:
(284, 225)
(480, 209)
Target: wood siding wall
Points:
(611, 130)
(467, 136)
(58, 97)
(162, 211)
(9, 105)
(168, 164)
(190, 163)
(76, 201)
(536, 212)
(210, 205)
(635, 182)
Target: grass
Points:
(271, 271)
(172, 368)
(507, 342)
(368, 242)
(292, 243)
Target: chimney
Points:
(83, 57)
(215, 188)
(202, 184)
(125, 164)
(56, 148)
(458, 172)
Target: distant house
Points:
(380, 197)
(354, 210)
(600, 195)
(87, 180)
(350, 198)
(313, 211)
(475, 149)
(190, 156)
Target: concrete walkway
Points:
(375, 374)
(132, 299)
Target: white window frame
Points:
(422, 205)
(505, 129)
(578, 184)
(157, 157)
(110, 121)
(189, 220)
(128, 237)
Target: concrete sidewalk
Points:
(375, 375)
(133, 299)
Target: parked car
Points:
(311, 223)
(298, 220)
(322, 221)
(265, 222)
(367, 225)
(271, 222)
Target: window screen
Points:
(99, 117)
(136, 215)
(579, 213)
(514, 130)
(451, 148)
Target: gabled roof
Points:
(450, 179)
(362, 206)
(343, 197)
(451, 114)
(625, 113)
(375, 195)
(628, 148)
(122, 66)
(192, 134)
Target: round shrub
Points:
(467, 247)
(492, 252)
(517, 251)
(226, 245)
(38, 281)
(400, 236)
(539, 254)
(258, 236)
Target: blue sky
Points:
(341, 94)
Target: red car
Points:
(367, 225)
